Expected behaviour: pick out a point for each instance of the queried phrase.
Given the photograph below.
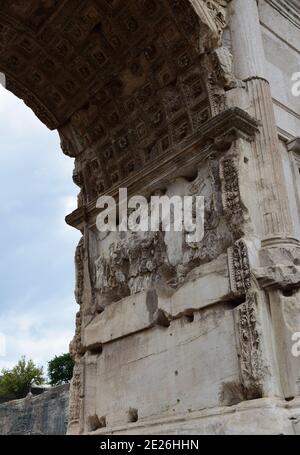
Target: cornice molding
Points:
(290, 9)
(215, 136)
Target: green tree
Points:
(17, 381)
(60, 369)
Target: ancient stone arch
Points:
(168, 96)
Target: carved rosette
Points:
(251, 364)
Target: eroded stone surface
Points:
(171, 98)
(36, 415)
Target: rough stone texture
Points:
(255, 417)
(43, 414)
(175, 97)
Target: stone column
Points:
(247, 45)
(249, 64)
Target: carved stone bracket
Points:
(294, 145)
(278, 276)
(219, 74)
(212, 14)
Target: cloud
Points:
(37, 309)
(16, 116)
(39, 332)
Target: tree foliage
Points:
(17, 381)
(60, 369)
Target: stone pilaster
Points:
(247, 45)
(249, 65)
(276, 217)
(277, 258)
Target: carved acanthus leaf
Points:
(231, 196)
(239, 268)
(249, 342)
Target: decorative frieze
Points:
(249, 347)
(216, 134)
(239, 268)
(230, 184)
(233, 207)
(75, 398)
(79, 272)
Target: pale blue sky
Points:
(37, 306)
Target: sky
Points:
(37, 305)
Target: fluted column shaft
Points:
(249, 65)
